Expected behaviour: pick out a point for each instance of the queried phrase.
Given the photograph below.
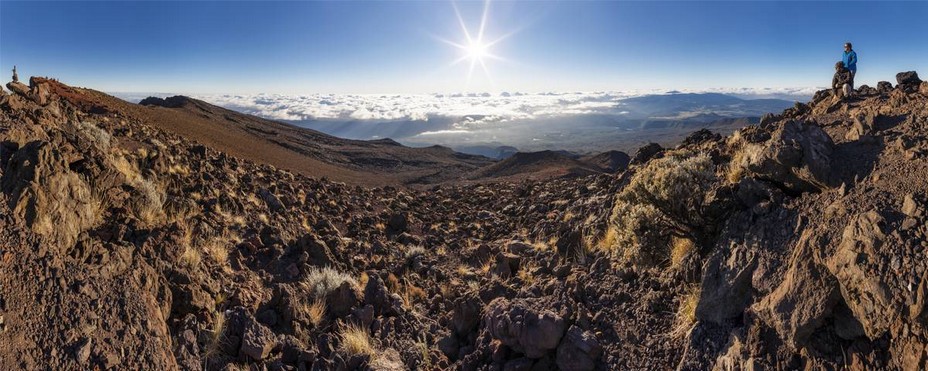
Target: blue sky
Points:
(396, 47)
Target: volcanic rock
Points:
(578, 351)
(257, 341)
(908, 80)
(649, 151)
(526, 330)
(797, 157)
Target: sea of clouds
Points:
(478, 107)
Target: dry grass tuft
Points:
(742, 154)
(150, 208)
(568, 216)
(526, 273)
(464, 270)
(608, 240)
(217, 248)
(680, 249)
(191, 257)
(362, 281)
(410, 294)
(215, 335)
(425, 354)
(315, 311)
(355, 340)
(686, 312)
(392, 283)
(98, 136)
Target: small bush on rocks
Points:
(100, 138)
(321, 281)
(667, 198)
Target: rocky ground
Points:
(126, 246)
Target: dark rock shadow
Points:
(884, 122)
(853, 161)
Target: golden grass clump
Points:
(217, 248)
(315, 311)
(215, 335)
(191, 257)
(410, 294)
(526, 274)
(355, 340)
(680, 249)
(608, 240)
(686, 312)
(568, 216)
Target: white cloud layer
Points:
(472, 109)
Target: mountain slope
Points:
(285, 146)
(535, 165)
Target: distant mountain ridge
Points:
(604, 122)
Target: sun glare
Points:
(474, 49)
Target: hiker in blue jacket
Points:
(850, 61)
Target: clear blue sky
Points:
(396, 47)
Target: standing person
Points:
(850, 61)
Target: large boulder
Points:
(908, 81)
(342, 299)
(908, 78)
(579, 351)
(647, 152)
(53, 200)
(257, 340)
(797, 158)
(699, 137)
(884, 87)
(18, 88)
(726, 284)
(805, 298)
(854, 264)
(521, 326)
(383, 301)
(465, 314)
(41, 90)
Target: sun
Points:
(474, 48)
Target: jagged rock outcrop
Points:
(908, 81)
(827, 273)
(797, 158)
(804, 299)
(52, 200)
(647, 152)
(865, 291)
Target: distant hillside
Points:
(536, 165)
